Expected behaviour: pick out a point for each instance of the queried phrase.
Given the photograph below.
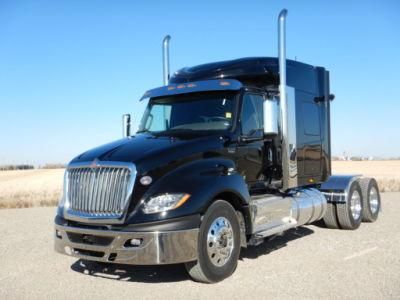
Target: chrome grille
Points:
(100, 190)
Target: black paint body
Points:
(223, 165)
(312, 94)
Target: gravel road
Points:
(310, 262)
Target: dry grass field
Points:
(386, 172)
(42, 187)
(28, 188)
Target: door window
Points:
(252, 114)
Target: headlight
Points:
(164, 202)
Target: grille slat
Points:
(103, 184)
(80, 183)
(84, 186)
(91, 191)
(117, 184)
(96, 194)
(112, 202)
(84, 191)
(99, 191)
(109, 198)
(118, 191)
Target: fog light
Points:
(58, 234)
(133, 242)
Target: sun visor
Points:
(194, 87)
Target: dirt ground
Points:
(311, 262)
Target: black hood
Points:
(149, 152)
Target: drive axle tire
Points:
(330, 217)
(350, 213)
(371, 199)
(218, 246)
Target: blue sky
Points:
(70, 69)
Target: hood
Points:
(148, 152)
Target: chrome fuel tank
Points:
(308, 205)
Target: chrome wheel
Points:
(355, 205)
(373, 200)
(220, 241)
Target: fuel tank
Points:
(273, 213)
(308, 205)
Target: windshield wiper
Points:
(142, 131)
(174, 131)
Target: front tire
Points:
(218, 245)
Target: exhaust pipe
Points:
(165, 51)
(282, 52)
(288, 116)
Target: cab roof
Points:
(253, 71)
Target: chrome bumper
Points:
(167, 247)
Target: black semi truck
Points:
(226, 154)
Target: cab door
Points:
(252, 141)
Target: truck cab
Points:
(226, 154)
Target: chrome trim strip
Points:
(289, 139)
(336, 189)
(168, 247)
(83, 214)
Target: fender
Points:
(203, 179)
(337, 187)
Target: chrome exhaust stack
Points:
(165, 54)
(287, 110)
(282, 52)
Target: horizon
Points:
(71, 69)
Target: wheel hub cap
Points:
(355, 205)
(373, 200)
(220, 241)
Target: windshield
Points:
(204, 112)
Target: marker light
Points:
(146, 180)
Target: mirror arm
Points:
(246, 139)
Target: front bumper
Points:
(156, 247)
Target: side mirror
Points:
(126, 125)
(271, 117)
